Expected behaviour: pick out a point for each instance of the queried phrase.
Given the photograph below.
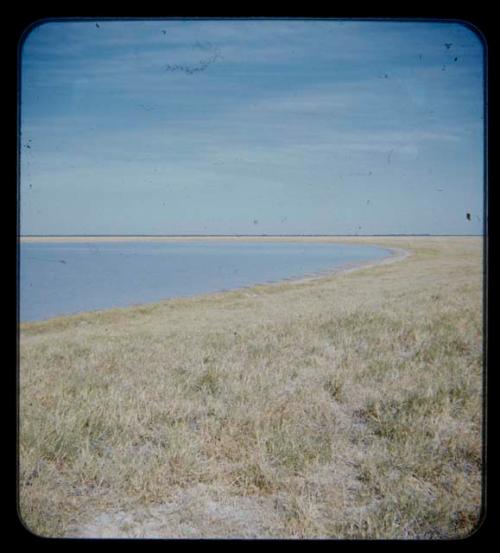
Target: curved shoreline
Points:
(396, 254)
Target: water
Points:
(66, 278)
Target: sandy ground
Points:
(192, 514)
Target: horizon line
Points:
(227, 235)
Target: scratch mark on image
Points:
(201, 65)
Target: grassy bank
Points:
(348, 406)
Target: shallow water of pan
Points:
(70, 277)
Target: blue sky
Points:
(251, 127)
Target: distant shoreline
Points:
(248, 237)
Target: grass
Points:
(345, 407)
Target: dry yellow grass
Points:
(344, 407)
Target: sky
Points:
(251, 127)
